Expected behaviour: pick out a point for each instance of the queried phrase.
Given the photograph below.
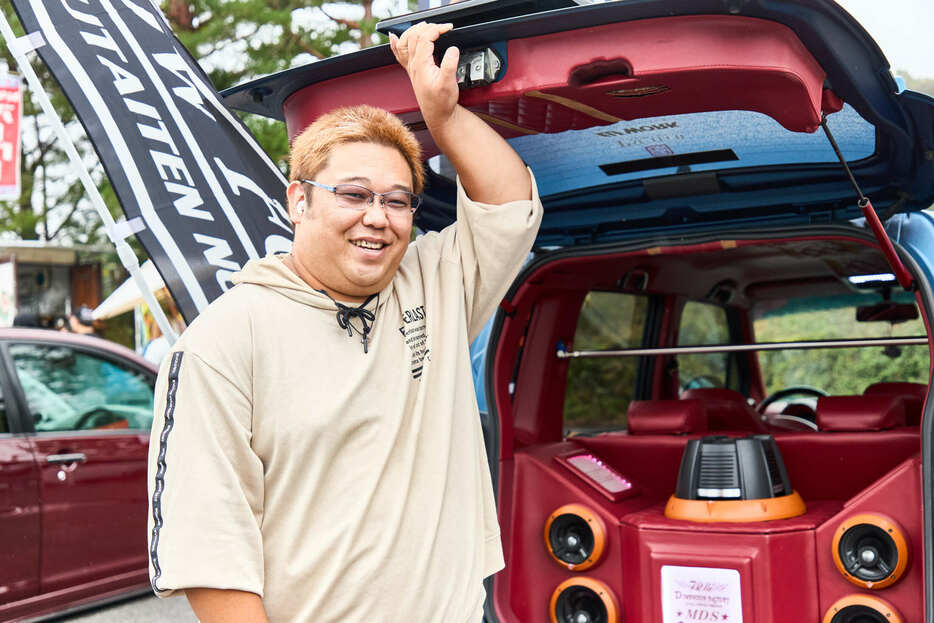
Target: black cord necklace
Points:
(346, 313)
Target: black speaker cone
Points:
(868, 553)
(571, 539)
(859, 614)
(579, 604)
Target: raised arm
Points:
(489, 169)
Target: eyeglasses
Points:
(353, 197)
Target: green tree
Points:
(235, 40)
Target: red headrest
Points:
(669, 417)
(726, 409)
(912, 393)
(860, 413)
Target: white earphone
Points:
(300, 206)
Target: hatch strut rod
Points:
(740, 348)
(878, 230)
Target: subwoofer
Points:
(583, 600)
(861, 609)
(575, 537)
(870, 550)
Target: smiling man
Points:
(317, 453)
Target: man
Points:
(317, 453)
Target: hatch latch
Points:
(478, 68)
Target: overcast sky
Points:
(904, 29)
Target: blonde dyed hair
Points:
(355, 124)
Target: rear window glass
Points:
(679, 144)
(599, 390)
(703, 324)
(837, 371)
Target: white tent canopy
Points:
(128, 295)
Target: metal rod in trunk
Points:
(742, 348)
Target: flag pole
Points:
(124, 252)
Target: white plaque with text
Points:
(700, 594)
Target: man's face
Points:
(328, 247)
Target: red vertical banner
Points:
(11, 114)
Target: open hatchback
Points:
(706, 393)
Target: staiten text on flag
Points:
(11, 116)
(197, 190)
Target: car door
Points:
(19, 508)
(90, 413)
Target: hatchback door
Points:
(91, 414)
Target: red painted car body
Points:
(72, 490)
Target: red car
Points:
(75, 414)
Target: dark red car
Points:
(75, 414)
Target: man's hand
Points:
(435, 86)
(489, 169)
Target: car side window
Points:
(599, 390)
(702, 324)
(69, 390)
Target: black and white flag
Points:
(196, 188)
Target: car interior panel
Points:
(856, 453)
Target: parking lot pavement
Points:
(146, 609)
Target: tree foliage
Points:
(235, 40)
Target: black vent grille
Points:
(775, 473)
(718, 467)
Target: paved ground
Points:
(147, 609)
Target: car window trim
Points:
(25, 424)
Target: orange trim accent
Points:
(597, 527)
(890, 527)
(735, 511)
(728, 244)
(881, 606)
(574, 105)
(602, 590)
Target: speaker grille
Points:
(870, 550)
(861, 609)
(575, 537)
(571, 539)
(583, 600)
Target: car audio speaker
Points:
(727, 479)
(870, 550)
(575, 537)
(861, 609)
(583, 600)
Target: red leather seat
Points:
(860, 413)
(913, 395)
(666, 417)
(727, 410)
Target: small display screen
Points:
(603, 475)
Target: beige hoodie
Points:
(338, 485)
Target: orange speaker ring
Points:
(879, 605)
(603, 592)
(886, 525)
(596, 527)
(735, 511)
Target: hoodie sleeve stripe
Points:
(174, 368)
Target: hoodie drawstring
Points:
(346, 313)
